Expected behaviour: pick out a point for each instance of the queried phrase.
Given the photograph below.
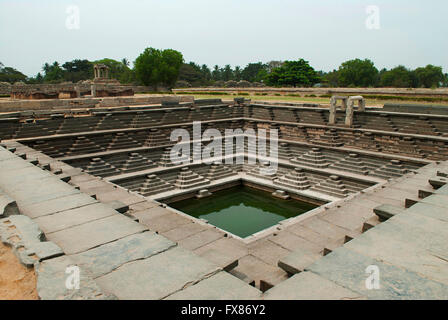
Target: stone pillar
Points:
(349, 113)
(332, 118)
(78, 92)
(93, 90)
(344, 103)
(362, 105)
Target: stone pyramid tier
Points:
(263, 171)
(83, 145)
(99, 167)
(122, 141)
(295, 179)
(332, 186)
(153, 185)
(352, 163)
(313, 158)
(156, 138)
(393, 169)
(136, 162)
(166, 161)
(284, 152)
(188, 179)
(219, 171)
(329, 138)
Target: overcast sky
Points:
(236, 32)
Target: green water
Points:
(241, 210)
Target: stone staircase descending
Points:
(332, 186)
(294, 179)
(153, 185)
(313, 158)
(188, 179)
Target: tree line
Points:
(167, 68)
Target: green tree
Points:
(251, 71)
(216, 73)
(227, 73)
(357, 73)
(398, 77)
(429, 76)
(53, 73)
(293, 73)
(77, 70)
(155, 67)
(192, 73)
(11, 75)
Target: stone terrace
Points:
(101, 177)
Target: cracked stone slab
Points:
(310, 286)
(221, 286)
(348, 269)
(74, 217)
(22, 226)
(8, 206)
(158, 276)
(108, 257)
(57, 205)
(52, 278)
(95, 233)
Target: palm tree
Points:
(125, 62)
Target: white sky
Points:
(324, 32)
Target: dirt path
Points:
(16, 281)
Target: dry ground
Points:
(16, 281)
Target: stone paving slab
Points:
(165, 222)
(292, 242)
(51, 282)
(221, 286)
(415, 230)
(37, 190)
(259, 270)
(268, 252)
(108, 257)
(157, 277)
(428, 210)
(184, 231)
(74, 217)
(57, 205)
(297, 261)
(395, 251)
(229, 247)
(146, 216)
(95, 233)
(201, 239)
(348, 269)
(326, 228)
(310, 286)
